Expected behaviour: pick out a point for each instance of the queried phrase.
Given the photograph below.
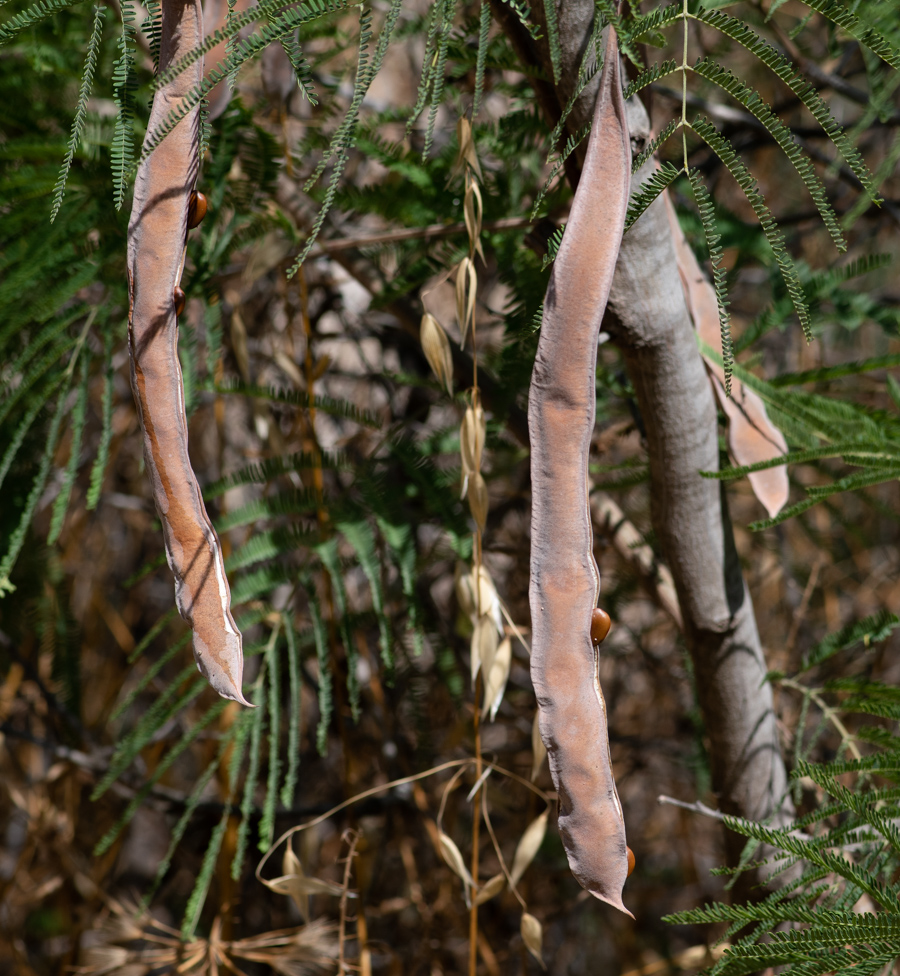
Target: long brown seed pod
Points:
(565, 581)
(156, 236)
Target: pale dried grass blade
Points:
(533, 936)
(478, 499)
(752, 437)
(466, 154)
(490, 889)
(486, 594)
(466, 288)
(291, 866)
(472, 433)
(465, 589)
(473, 211)
(297, 885)
(483, 647)
(436, 347)
(496, 676)
(453, 856)
(528, 846)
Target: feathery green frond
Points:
(297, 398)
(269, 545)
(121, 151)
(190, 736)
(15, 442)
(725, 151)
(204, 878)
(653, 145)
(17, 538)
(611, 15)
(33, 15)
(78, 416)
(876, 42)
(273, 669)
(484, 27)
(400, 542)
(345, 137)
(871, 630)
(244, 50)
(98, 468)
(553, 246)
(437, 74)
(87, 84)
(299, 501)
(268, 470)
(295, 716)
(649, 190)
(553, 37)
(708, 69)
(650, 75)
(326, 696)
(776, 62)
(327, 552)
(572, 143)
(236, 734)
(824, 374)
(707, 215)
(153, 719)
(360, 535)
(257, 722)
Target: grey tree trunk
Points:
(648, 320)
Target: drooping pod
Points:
(156, 237)
(564, 577)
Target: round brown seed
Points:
(196, 209)
(600, 624)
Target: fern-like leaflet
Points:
(87, 83)
(124, 86)
(725, 151)
(649, 190)
(707, 215)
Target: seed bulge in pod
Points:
(179, 299)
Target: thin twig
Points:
(352, 838)
(429, 232)
(701, 808)
(847, 738)
(800, 613)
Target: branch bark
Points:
(652, 327)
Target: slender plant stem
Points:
(684, 71)
(476, 830)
